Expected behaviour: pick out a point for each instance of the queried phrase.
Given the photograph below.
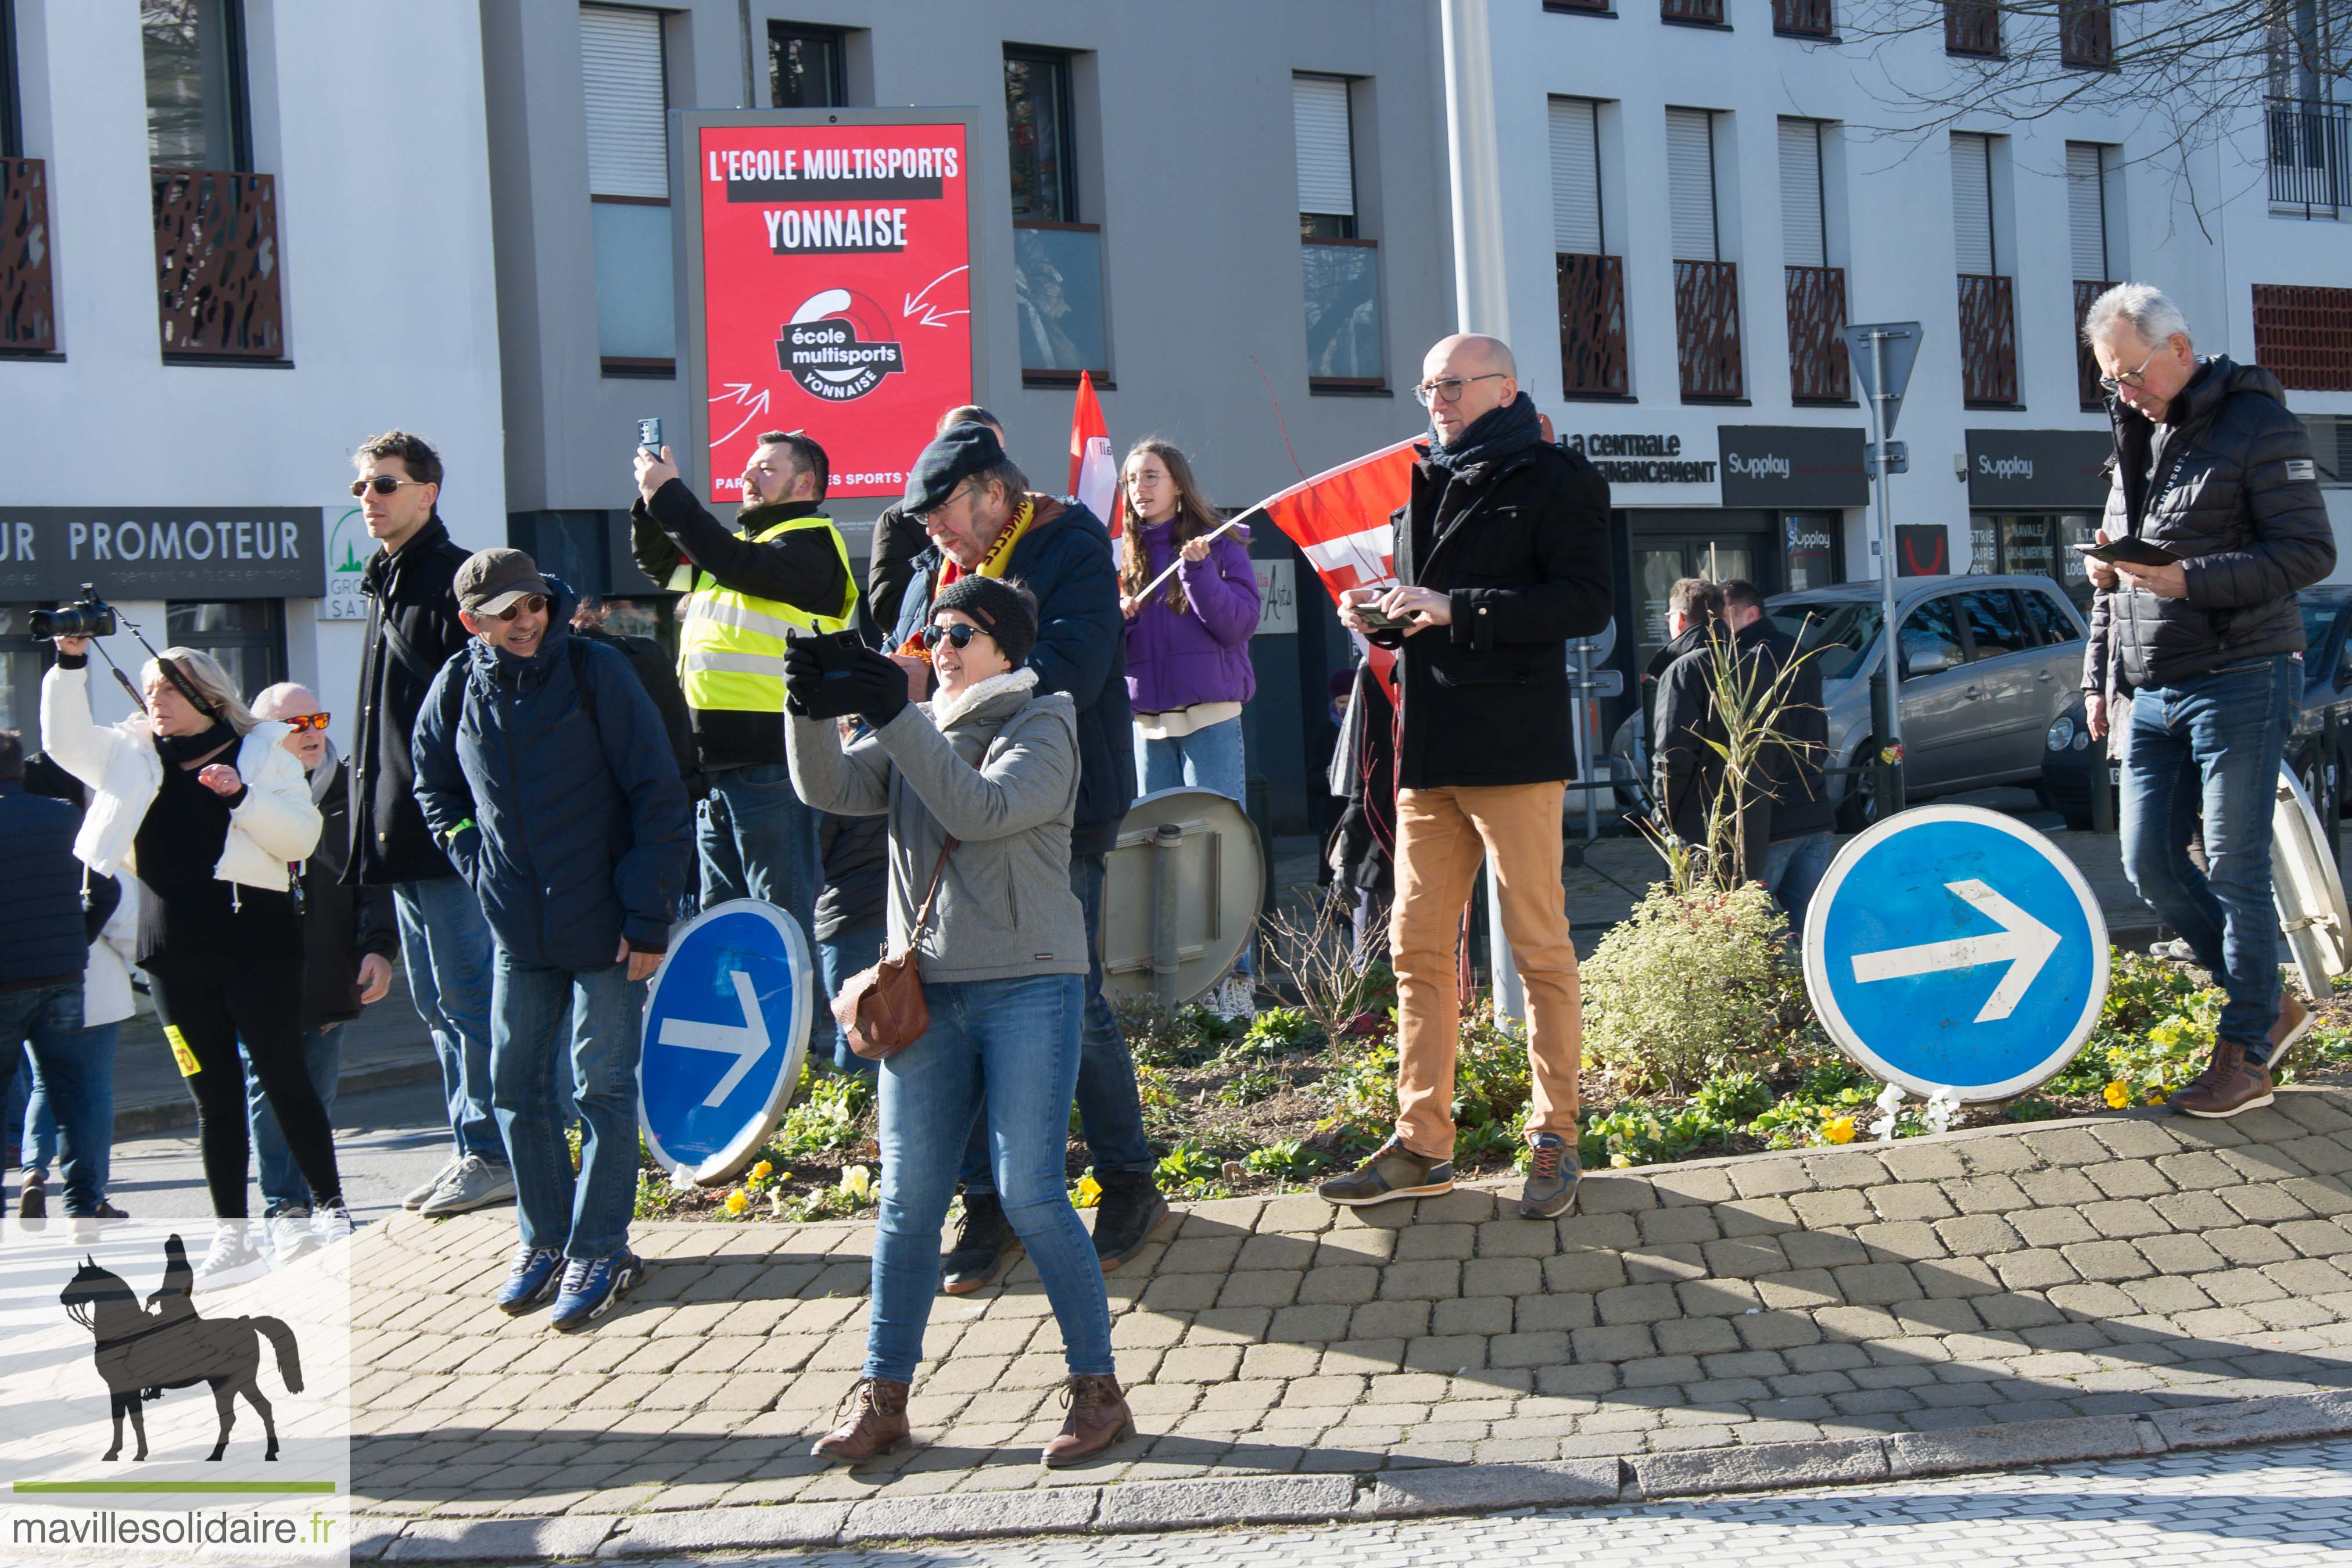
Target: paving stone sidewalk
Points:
(2003, 1296)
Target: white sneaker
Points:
(474, 1184)
(417, 1199)
(1237, 999)
(290, 1236)
(232, 1260)
(332, 1223)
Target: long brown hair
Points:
(1194, 517)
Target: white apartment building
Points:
(236, 238)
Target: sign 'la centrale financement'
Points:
(160, 552)
(835, 289)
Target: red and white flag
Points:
(1339, 520)
(1094, 477)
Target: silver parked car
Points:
(1991, 674)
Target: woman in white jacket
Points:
(199, 803)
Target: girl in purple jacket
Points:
(1188, 662)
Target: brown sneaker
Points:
(875, 1423)
(1098, 1417)
(1395, 1172)
(2294, 1022)
(2228, 1085)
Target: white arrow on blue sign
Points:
(727, 1025)
(1951, 948)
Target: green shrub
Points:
(1188, 1165)
(1732, 1096)
(1290, 1160)
(1249, 1088)
(1690, 986)
(1283, 1029)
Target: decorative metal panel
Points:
(1818, 369)
(1815, 18)
(2086, 33)
(1707, 323)
(2087, 364)
(217, 263)
(2303, 335)
(27, 301)
(1691, 10)
(1987, 339)
(1972, 28)
(1593, 326)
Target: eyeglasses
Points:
(2131, 378)
(961, 636)
(383, 485)
(1450, 389)
(924, 519)
(301, 721)
(534, 602)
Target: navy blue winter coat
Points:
(1065, 560)
(42, 939)
(578, 832)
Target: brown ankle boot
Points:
(873, 1423)
(2228, 1085)
(1098, 1417)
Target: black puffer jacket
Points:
(2236, 496)
(411, 630)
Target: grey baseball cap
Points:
(491, 580)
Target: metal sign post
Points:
(1882, 354)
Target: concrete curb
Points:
(1388, 1494)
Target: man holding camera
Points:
(413, 628)
(781, 565)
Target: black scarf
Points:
(182, 750)
(1498, 432)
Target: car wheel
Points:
(1859, 810)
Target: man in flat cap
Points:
(983, 520)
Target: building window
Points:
(2310, 158)
(28, 297)
(1344, 347)
(194, 54)
(2303, 335)
(1818, 369)
(246, 635)
(2331, 443)
(1058, 278)
(1592, 282)
(2095, 270)
(12, 118)
(1988, 310)
(1972, 28)
(2087, 34)
(1706, 286)
(805, 68)
(1804, 18)
(1692, 13)
(624, 88)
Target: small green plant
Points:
(1188, 1165)
(1473, 1145)
(1284, 1028)
(1249, 1088)
(829, 1115)
(1694, 985)
(1732, 1096)
(1290, 1160)
(2033, 1108)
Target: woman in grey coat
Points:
(993, 763)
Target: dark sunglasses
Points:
(383, 485)
(534, 602)
(307, 721)
(961, 636)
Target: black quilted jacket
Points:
(2236, 496)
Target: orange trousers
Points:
(1441, 836)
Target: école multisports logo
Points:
(839, 345)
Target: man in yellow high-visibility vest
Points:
(781, 565)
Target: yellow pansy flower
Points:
(1840, 1130)
(2118, 1094)
(738, 1201)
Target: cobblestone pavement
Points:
(2286, 1507)
(1970, 1301)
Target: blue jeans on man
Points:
(445, 944)
(999, 1059)
(585, 1025)
(756, 839)
(48, 1019)
(282, 1186)
(1110, 1110)
(1794, 870)
(2211, 746)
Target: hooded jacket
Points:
(41, 934)
(2236, 497)
(997, 766)
(1199, 654)
(411, 630)
(1065, 560)
(566, 817)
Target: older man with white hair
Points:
(350, 937)
(2217, 520)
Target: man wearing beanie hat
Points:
(986, 525)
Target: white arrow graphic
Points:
(2024, 943)
(932, 315)
(747, 1042)
(759, 407)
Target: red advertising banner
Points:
(836, 292)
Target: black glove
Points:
(874, 687)
(807, 695)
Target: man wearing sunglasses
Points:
(413, 629)
(1502, 556)
(2212, 470)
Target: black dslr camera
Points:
(92, 617)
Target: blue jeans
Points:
(95, 1050)
(531, 1009)
(1207, 758)
(838, 957)
(282, 1186)
(1110, 1110)
(445, 945)
(2214, 745)
(758, 840)
(1793, 868)
(1008, 1049)
(49, 1020)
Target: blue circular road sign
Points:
(727, 1025)
(1951, 948)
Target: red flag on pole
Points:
(1094, 477)
(1339, 520)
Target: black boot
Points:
(1130, 1208)
(984, 1246)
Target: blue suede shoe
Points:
(591, 1286)
(1552, 1179)
(535, 1274)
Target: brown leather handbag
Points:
(882, 1008)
